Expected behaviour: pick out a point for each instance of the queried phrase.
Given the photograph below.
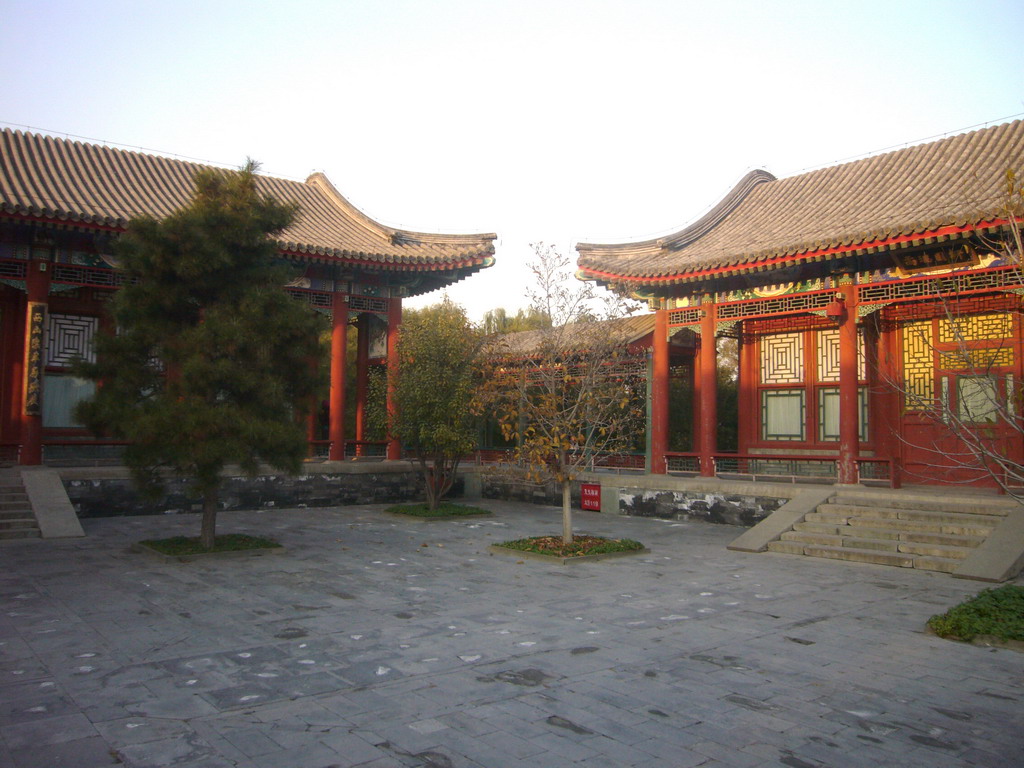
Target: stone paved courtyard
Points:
(376, 641)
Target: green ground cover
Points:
(189, 545)
(994, 612)
(444, 509)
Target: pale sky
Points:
(541, 120)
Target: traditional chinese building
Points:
(874, 302)
(62, 206)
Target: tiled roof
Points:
(73, 182)
(939, 187)
(624, 330)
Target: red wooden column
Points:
(362, 378)
(659, 393)
(849, 445)
(394, 321)
(37, 281)
(885, 421)
(708, 389)
(339, 339)
(746, 385)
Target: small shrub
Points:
(444, 509)
(996, 612)
(189, 545)
(581, 545)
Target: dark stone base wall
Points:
(111, 497)
(727, 508)
(511, 489)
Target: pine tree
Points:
(212, 362)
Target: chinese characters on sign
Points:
(34, 359)
(590, 496)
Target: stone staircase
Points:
(17, 520)
(925, 530)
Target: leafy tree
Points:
(568, 392)
(213, 362)
(499, 321)
(435, 386)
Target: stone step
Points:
(906, 520)
(19, 533)
(962, 504)
(926, 562)
(919, 537)
(813, 537)
(944, 527)
(903, 513)
(24, 522)
(856, 555)
(934, 550)
(811, 527)
(15, 514)
(21, 503)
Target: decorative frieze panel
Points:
(367, 304)
(12, 270)
(99, 277)
(782, 359)
(958, 283)
(688, 316)
(70, 337)
(781, 305)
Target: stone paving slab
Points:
(376, 642)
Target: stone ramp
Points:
(49, 505)
(966, 535)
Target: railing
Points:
(83, 451)
(372, 449)
(784, 467)
(683, 462)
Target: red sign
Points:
(590, 496)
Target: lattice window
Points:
(782, 414)
(782, 359)
(918, 361)
(828, 414)
(70, 336)
(975, 359)
(828, 356)
(975, 328)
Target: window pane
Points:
(977, 399)
(783, 414)
(828, 414)
(60, 395)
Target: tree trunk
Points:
(566, 512)
(208, 531)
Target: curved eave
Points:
(477, 258)
(751, 264)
